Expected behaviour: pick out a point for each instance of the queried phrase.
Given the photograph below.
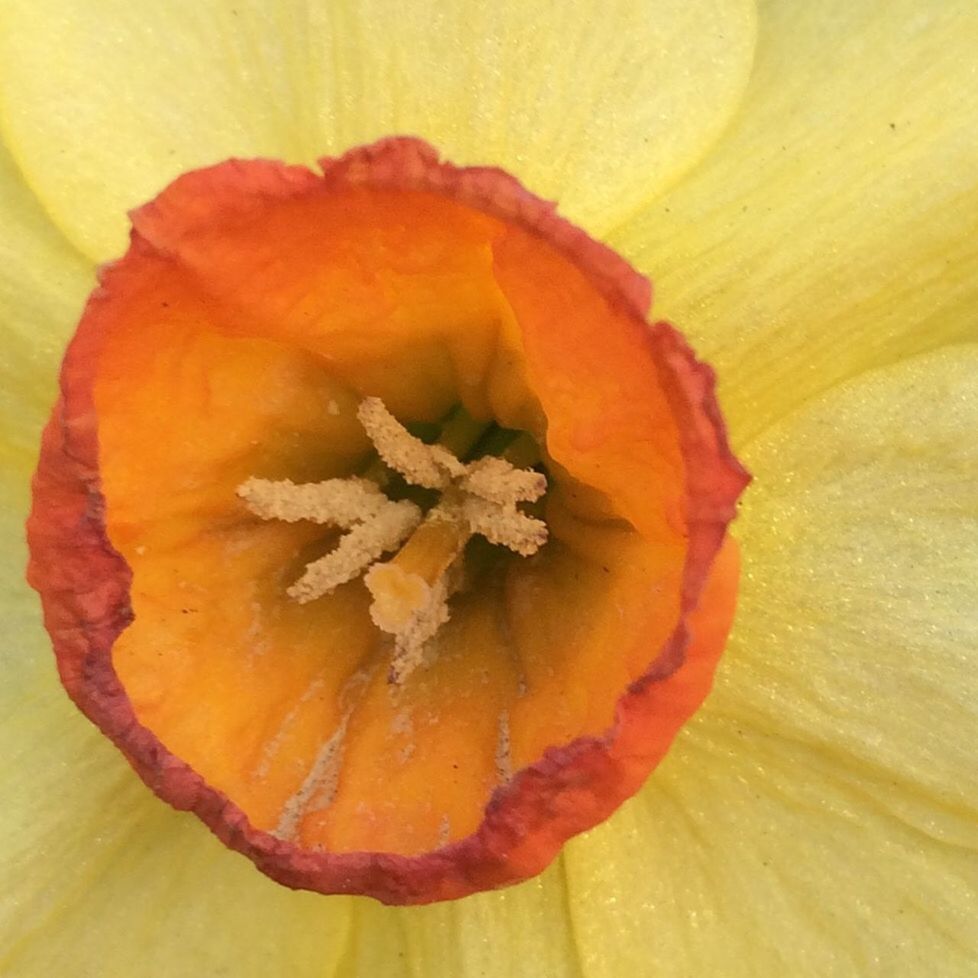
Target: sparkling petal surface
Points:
(835, 227)
(818, 816)
(170, 87)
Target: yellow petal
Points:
(857, 627)
(749, 856)
(834, 226)
(599, 104)
(43, 282)
(523, 930)
(819, 816)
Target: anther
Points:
(410, 591)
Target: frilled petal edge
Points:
(84, 581)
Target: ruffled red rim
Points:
(86, 601)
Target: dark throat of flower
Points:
(423, 502)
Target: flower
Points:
(273, 311)
(816, 816)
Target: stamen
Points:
(411, 638)
(522, 453)
(496, 481)
(461, 432)
(336, 502)
(504, 524)
(411, 590)
(429, 466)
(356, 551)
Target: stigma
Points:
(410, 591)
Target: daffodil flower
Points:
(801, 188)
(445, 724)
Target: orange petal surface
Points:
(258, 304)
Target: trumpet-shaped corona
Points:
(426, 563)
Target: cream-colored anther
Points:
(428, 466)
(357, 550)
(496, 481)
(411, 591)
(505, 525)
(375, 525)
(336, 502)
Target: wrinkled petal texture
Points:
(260, 332)
(171, 87)
(835, 226)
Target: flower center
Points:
(269, 308)
(411, 591)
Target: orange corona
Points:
(258, 308)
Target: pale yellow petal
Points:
(835, 227)
(819, 817)
(523, 930)
(599, 104)
(749, 855)
(857, 629)
(43, 283)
